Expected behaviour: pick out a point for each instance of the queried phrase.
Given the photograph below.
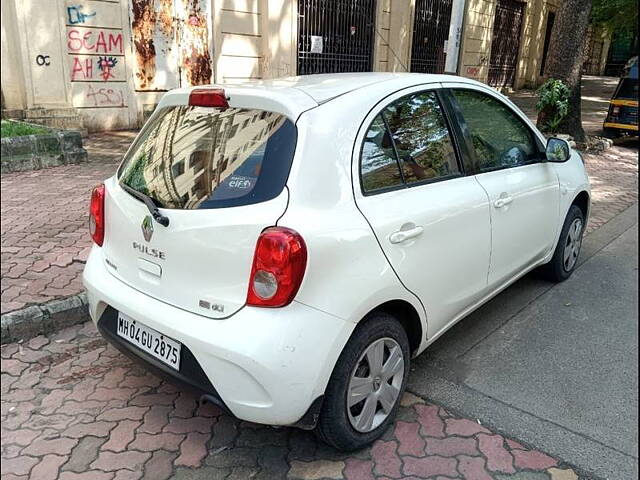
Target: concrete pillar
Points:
(278, 34)
(400, 35)
(475, 51)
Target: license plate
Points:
(151, 341)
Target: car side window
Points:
(500, 138)
(421, 138)
(378, 165)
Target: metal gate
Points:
(430, 35)
(506, 43)
(335, 35)
(624, 45)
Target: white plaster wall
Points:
(13, 87)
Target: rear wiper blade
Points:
(153, 208)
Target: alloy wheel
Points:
(572, 245)
(375, 384)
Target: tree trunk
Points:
(565, 59)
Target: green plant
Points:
(617, 16)
(11, 128)
(553, 101)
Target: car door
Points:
(523, 189)
(431, 221)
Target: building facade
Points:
(106, 63)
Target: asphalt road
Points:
(554, 365)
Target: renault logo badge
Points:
(147, 228)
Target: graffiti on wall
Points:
(93, 13)
(98, 95)
(473, 71)
(43, 60)
(92, 68)
(106, 66)
(94, 40)
(105, 96)
(171, 37)
(95, 44)
(75, 14)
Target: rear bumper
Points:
(189, 377)
(261, 365)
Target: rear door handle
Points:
(502, 201)
(404, 235)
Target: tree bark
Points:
(565, 59)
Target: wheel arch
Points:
(583, 201)
(407, 315)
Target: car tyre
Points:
(565, 256)
(356, 376)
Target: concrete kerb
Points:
(34, 152)
(42, 319)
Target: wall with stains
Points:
(106, 61)
(171, 47)
(171, 40)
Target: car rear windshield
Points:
(198, 157)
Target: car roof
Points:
(293, 95)
(327, 86)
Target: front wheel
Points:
(367, 382)
(565, 257)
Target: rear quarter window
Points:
(199, 157)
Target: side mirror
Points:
(558, 150)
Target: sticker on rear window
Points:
(236, 184)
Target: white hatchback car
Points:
(284, 247)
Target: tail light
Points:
(278, 267)
(96, 215)
(208, 97)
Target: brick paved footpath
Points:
(74, 408)
(44, 225)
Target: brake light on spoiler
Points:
(208, 97)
